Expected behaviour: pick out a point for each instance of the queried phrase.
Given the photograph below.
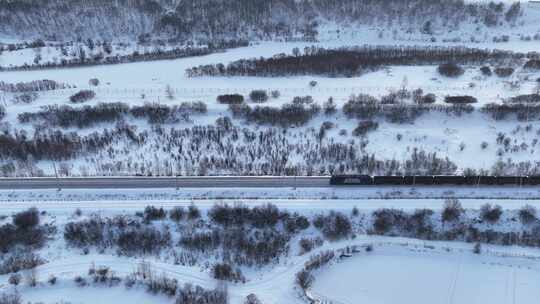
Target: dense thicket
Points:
(24, 232)
(519, 111)
(351, 61)
(245, 236)
(363, 106)
(210, 19)
(525, 98)
(128, 236)
(82, 96)
(55, 145)
(32, 86)
(81, 117)
(67, 116)
(289, 114)
(450, 225)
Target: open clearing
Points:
(392, 275)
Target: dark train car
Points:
(448, 180)
(456, 180)
(471, 180)
(418, 180)
(532, 180)
(488, 180)
(388, 180)
(356, 180)
(508, 180)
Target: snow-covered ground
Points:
(398, 270)
(68, 291)
(417, 275)
(415, 271)
(374, 195)
(444, 269)
(461, 139)
(458, 138)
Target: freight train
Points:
(430, 180)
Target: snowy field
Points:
(420, 272)
(459, 138)
(402, 275)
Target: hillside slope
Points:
(212, 19)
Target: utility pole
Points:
(59, 188)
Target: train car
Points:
(427, 180)
(418, 180)
(388, 180)
(448, 180)
(487, 180)
(354, 180)
(532, 180)
(471, 180)
(509, 180)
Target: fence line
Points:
(216, 90)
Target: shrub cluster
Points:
(308, 244)
(25, 231)
(66, 116)
(521, 111)
(56, 145)
(393, 221)
(452, 210)
(25, 98)
(421, 225)
(128, 236)
(226, 272)
(460, 99)
(504, 71)
(157, 113)
(532, 64)
(491, 214)
(82, 96)
(10, 298)
(367, 107)
(32, 86)
(239, 245)
(258, 96)
(230, 99)
(305, 278)
(19, 260)
(450, 70)
(525, 98)
(289, 114)
(527, 214)
(161, 284)
(486, 71)
(152, 213)
(365, 127)
(266, 216)
(334, 225)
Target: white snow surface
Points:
(417, 275)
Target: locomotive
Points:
(429, 180)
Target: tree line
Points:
(87, 116)
(257, 19)
(349, 61)
(136, 56)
